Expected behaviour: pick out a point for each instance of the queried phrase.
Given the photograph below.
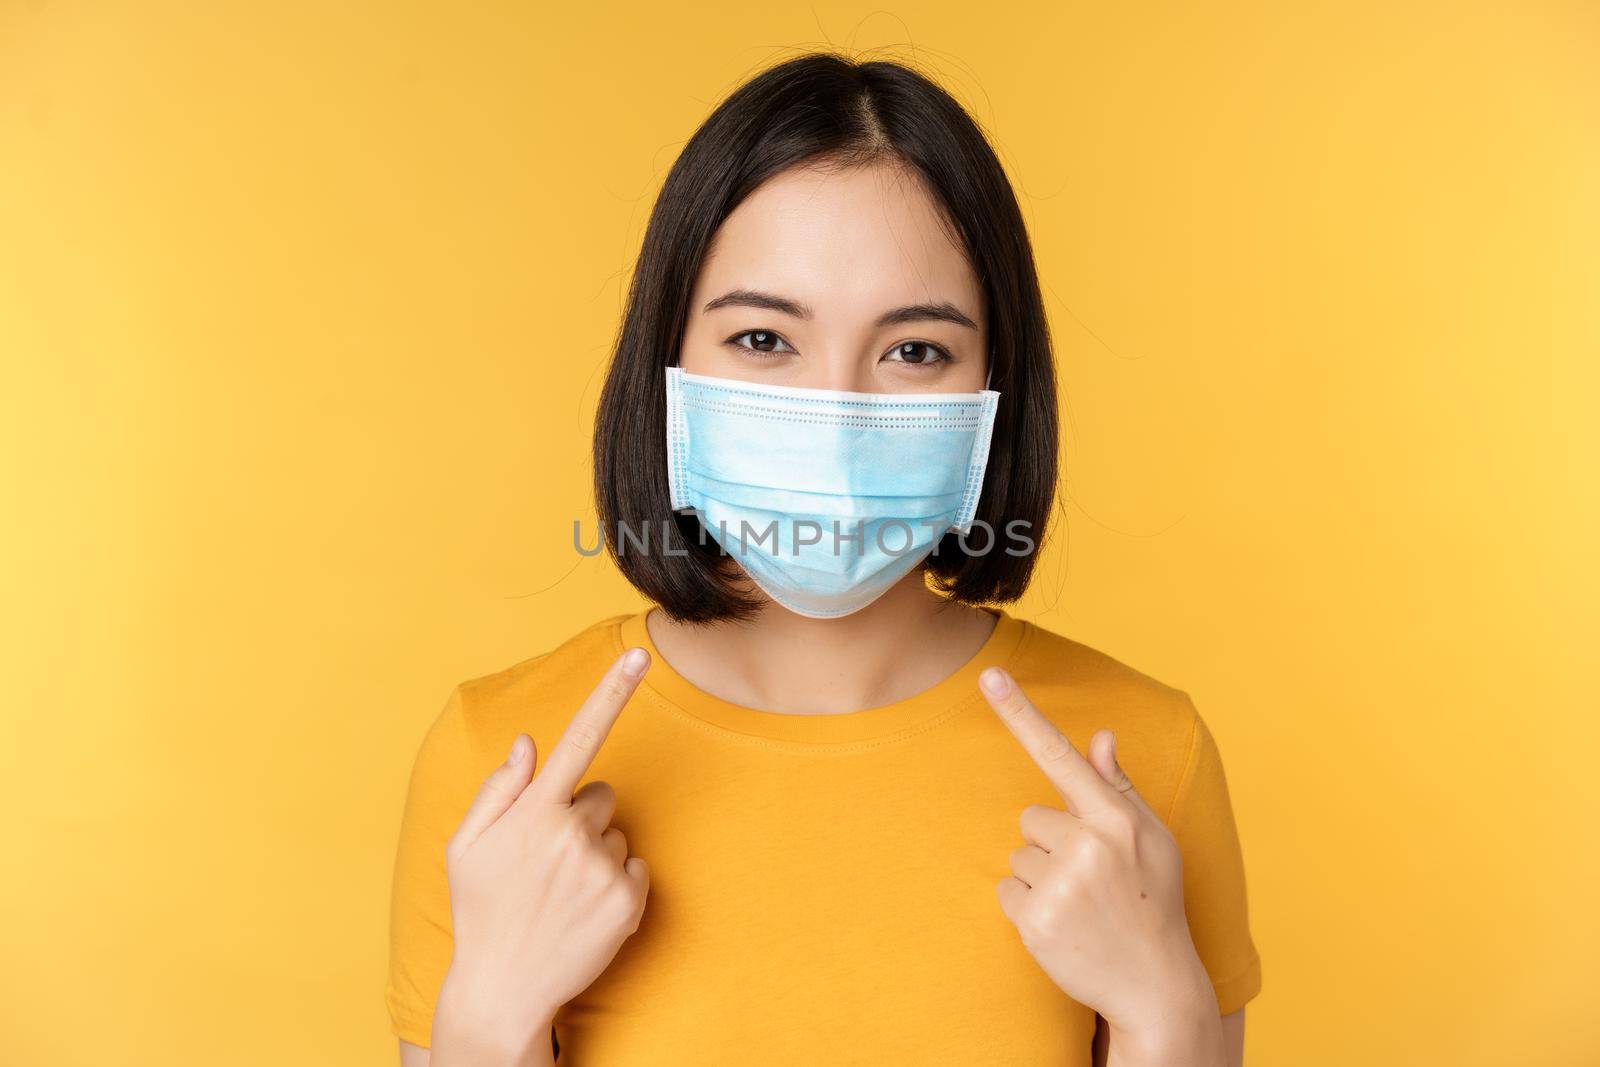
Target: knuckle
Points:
(603, 873)
(624, 899)
(582, 736)
(1056, 750)
(493, 787)
(1090, 853)
(1034, 818)
(570, 836)
(1125, 822)
(619, 887)
(1056, 893)
(454, 849)
(596, 796)
(1158, 840)
(1042, 916)
(1100, 862)
(1044, 828)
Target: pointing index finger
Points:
(1072, 775)
(569, 760)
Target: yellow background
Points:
(304, 309)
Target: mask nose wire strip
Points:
(988, 379)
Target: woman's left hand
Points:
(1096, 893)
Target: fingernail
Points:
(518, 747)
(634, 661)
(994, 682)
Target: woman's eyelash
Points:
(735, 342)
(940, 353)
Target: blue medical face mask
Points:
(826, 498)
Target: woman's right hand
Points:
(542, 890)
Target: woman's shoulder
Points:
(1053, 658)
(536, 695)
(1083, 689)
(581, 657)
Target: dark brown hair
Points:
(813, 109)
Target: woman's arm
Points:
(1232, 1039)
(418, 1056)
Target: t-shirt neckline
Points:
(880, 724)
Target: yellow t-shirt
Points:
(822, 886)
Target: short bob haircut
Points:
(820, 109)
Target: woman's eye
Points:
(916, 352)
(760, 341)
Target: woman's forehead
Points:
(841, 239)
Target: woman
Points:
(770, 819)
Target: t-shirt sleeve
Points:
(1213, 873)
(443, 783)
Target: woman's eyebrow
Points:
(944, 311)
(754, 298)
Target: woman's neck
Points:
(899, 645)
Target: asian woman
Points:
(825, 800)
